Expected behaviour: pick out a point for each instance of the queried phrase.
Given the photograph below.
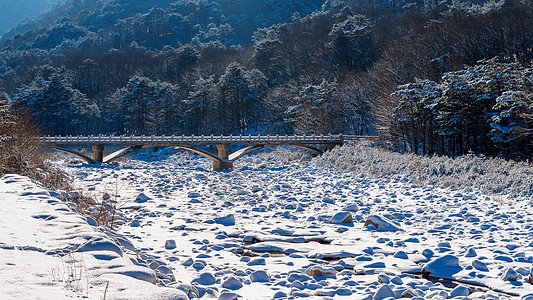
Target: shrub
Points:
(493, 176)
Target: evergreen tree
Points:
(201, 106)
(57, 107)
(240, 95)
(147, 107)
(416, 115)
(512, 123)
(6, 119)
(468, 98)
(351, 42)
(314, 112)
(265, 41)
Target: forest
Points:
(428, 77)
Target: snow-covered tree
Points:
(416, 115)
(240, 95)
(351, 42)
(200, 106)
(265, 41)
(6, 119)
(512, 122)
(468, 98)
(314, 112)
(482, 109)
(146, 106)
(58, 108)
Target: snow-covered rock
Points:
(444, 266)
(459, 290)
(479, 265)
(380, 223)
(383, 292)
(509, 274)
(205, 279)
(383, 279)
(228, 296)
(232, 283)
(170, 244)
(259, 276)
(228, 220)
(319, 270)
(351, 207)
(257, 262)
(100, 244)
(141, 198)
(341, 218)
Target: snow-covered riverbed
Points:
(268, 230)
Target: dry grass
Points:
(493, 176)
(73, 273)
(21, 153)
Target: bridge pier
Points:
(223, 153)
(98, 153)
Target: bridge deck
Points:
(197, 140)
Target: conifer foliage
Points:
(484, 109)
(315, 109)
(145, 107)
(57, 107)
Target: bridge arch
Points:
(119, 153)
(248, 150)
(78, 154)
(220, 162)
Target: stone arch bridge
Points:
(224, 159)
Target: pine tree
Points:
(265, 41)
(146, 107)
(240, 95)
(201, 108)
(351, 42)
(512, 123)
(315, 109)
(6, 119)
(57, 107)
(416, 115)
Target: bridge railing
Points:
(199, 140)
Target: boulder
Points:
(232, 283)
(257, 262)
(383, 292)
(460, 290)
(228, 220)
(351, 207)
(205, 279)
(343, 217)
(141, 198)
(383, 279)
(170, 244)
(444, 266)
(259, 276)
(479, 265)
(320, 271)
(510, 274)
(228, 296)
(381, 224)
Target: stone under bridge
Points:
(224, 159)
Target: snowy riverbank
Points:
(268, 230)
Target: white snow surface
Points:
(262, 231)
